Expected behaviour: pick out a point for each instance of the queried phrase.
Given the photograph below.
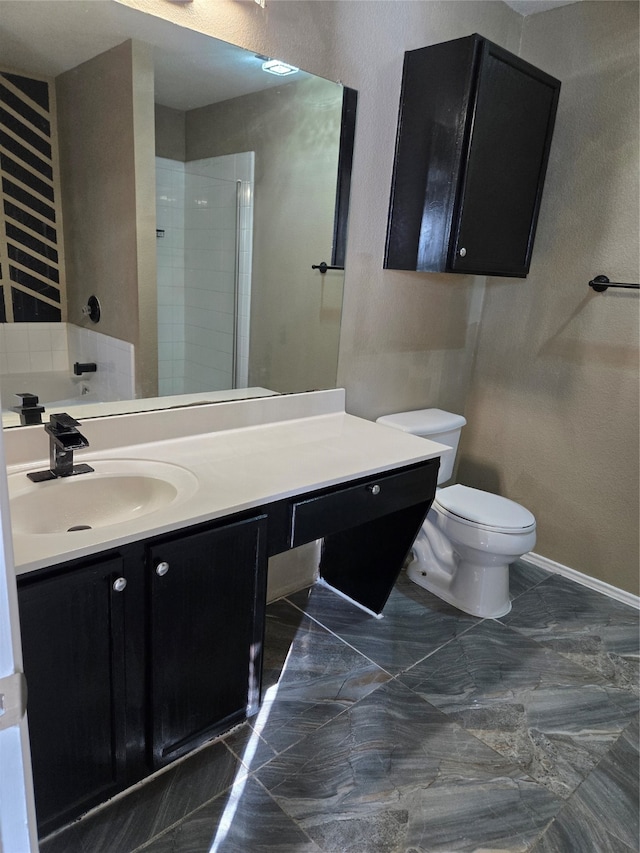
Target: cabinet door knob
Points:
(119, 584)
(462, 252)
(374, 489)
(162, 568)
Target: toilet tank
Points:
(436, 424)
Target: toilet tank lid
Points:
(423, 421)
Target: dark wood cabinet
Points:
(74, 655)
(473, 141)
(129, 666)
(206, 604)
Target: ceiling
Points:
(48, 37)
(531, 7)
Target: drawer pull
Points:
(119, 584)
(374, 489)
(162, 568)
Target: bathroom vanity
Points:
(142, 637)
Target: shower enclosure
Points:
(204, 226)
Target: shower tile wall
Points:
(31, 347)
(196, 260)
(46, 347)
(114, 378)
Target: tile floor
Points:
(427, 730)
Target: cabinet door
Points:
(73, 647)
(473, 141)
(507, 159)
(206, 633)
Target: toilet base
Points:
(481, 591)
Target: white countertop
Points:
(236, 469)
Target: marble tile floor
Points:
(426, 730)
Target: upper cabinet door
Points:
(473, 143)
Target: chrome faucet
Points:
(64, 438)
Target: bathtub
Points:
(57, 391)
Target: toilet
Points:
(469, 538)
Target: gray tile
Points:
(567, 837)
(249, 746)
(552, 718)
(599, 633)
(243, 820)
(603, 813)
(524, 576)
(282, 723)
(310, 677)
(143, 812)
(304, 660)
(414, 623)
(394, 773)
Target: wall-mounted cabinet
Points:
(474, 133)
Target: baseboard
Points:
(586, 580)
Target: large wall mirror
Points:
(167, 177)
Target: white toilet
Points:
(469, 538)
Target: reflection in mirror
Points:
(164, 173)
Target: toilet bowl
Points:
(465, 560)
(470, 537)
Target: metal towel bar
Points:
(600, 283)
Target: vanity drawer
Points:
(342, 507)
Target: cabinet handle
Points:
(162, 568)
(374, 489)
(462, 252)
(119, 584)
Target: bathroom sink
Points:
(117, 491)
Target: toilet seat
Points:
(483, 510)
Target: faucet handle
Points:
(62, 421)
(29, 401)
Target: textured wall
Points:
(294, 130)
(553, 409)
(107, 167)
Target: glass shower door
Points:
(204, 241)
(210, 300)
